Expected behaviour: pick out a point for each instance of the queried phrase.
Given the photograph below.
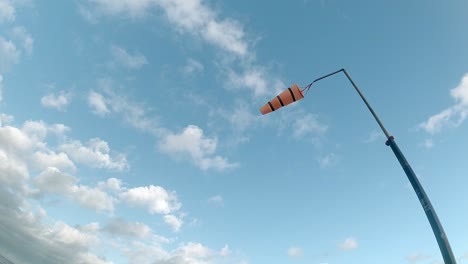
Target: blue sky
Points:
(130, 131)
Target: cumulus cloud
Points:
(92, 198)
(1, 89)
(26, 239)
(348, 244)
(193, 253)
(96, 154)
(452, 116)
(9, 53)
(122, 228)
(58, 101)
(112, 184)
(13, 171)
(173, 221)
(121, 57)
(23, 36)
(45, 159)
(7, 11)
(295, 252)
(155, 199)
(98, 104)
(191, 143)
(54, 181)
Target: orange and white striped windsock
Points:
(290, 95)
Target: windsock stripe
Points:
(271, 106)
(279, 99)
(292, 94)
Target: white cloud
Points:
(460, 93)
(97, 102)
(134, 9)
(254, 80)
(225, 251)
(417, 257)
(5, 119)
(428, 143)
(1, 89)
(328, 160)
(26, 239)
(127, 60)
(7, 11)
(452, 116)
(92, 198)
(188, 253)
(133, 113)
(173, 221)
(96, 154)
(191, 16)
(52, 180)
(242, 118)
(45, 159)
(58, 101)
(374, 136)
(348, 244)
(192, 144)
(216, 200)
(295, 252)
(71, 236)
(307, 125)
(9, 53)
(192, 67)
(198, 19)
(194, 253)
(155, 199)
(13, 172)
(112, 184)
(23, 36)
(122, 228)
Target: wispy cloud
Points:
(295, 252)
(197, 19)
(417, 257)
(23, 36)
(1, 89)
(7, 11)
(348, 244)
(452, 116)
(58, 101)
(328, 160)
(192, 67)
(9, 53)
(122, 57)
(96, 153)
(191, 143)
(216, 200)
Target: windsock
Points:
(290, 95)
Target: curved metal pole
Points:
(437, 228)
